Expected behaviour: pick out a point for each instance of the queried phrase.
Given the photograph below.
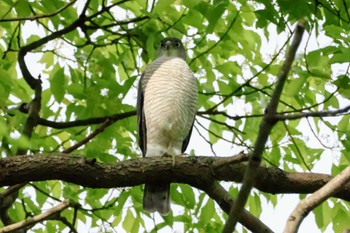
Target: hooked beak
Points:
(167, 45)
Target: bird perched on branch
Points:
(166, 108)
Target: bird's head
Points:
(171, 47)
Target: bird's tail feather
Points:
(156, 197)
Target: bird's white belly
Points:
(170, 98)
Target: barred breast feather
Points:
(170, 99)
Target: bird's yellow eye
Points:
(177, 44)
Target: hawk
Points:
(166, 108)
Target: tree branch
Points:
(32, 82)
(195, 171)
(330, 113)
(99, 130)
(35, 17)
(247, 83)
(264, 132)
(31, 122)
(200, 172)
(84, 122)
(224, 200)
(4, 200)
(39, 218)
(306, 205)
(120, 116)
(219, 41)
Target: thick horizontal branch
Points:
(199, 172)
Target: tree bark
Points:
(199, 172)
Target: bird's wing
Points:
(187, 139)
(141, 120)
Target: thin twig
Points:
(204, 138)
(218, 42)
(39, 218)
(296, 146)
(48, 15)
(99, 130)
(316, 136)
(251, 78)
(330, 113)
(89, 121)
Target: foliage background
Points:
(92, 53)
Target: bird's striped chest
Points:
(170, 97)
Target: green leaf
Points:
(129, 220)
(323, 215)
(343, 125)
(31, 206)
(294, 86)
(254, 203)
(22, 8)
(340, 221)
(16, 212)
(215, 14)
(207, 212)
(333, 31)
(214, 132)
(40, 196)
(318, 64)
(89, 69)
(56, 190)
(342, 56)
(47, 59)
(188, 196)
(33, 38)
(161, 6)
(57, 84)
(194, 18)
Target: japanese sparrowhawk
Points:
(166, 108)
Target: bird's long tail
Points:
(156, 197)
